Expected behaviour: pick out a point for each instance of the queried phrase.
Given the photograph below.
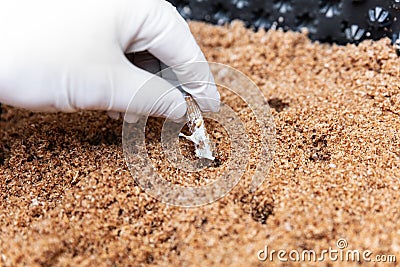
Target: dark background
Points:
(339, 21)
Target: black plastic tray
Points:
(339, 21)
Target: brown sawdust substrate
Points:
(67, 197)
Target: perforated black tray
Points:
(339, 21)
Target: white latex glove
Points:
(68, 55)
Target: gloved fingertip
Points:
(213, 104)
(209, 100)
(131, 118)
(213, 108)
(179, 120)
(178, 114)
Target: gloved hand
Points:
(69, 55)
